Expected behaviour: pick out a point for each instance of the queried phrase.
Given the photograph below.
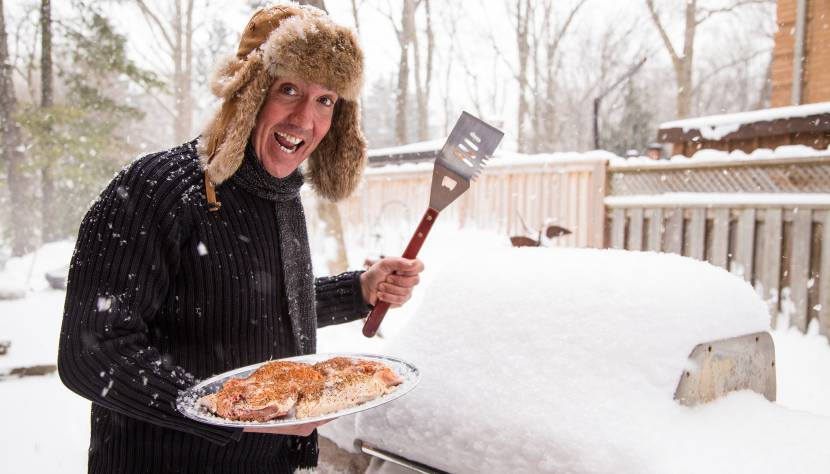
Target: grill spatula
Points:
(469, 146)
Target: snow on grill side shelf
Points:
(566, 360)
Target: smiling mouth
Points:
(288, 143)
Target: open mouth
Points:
(288, 143)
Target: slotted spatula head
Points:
(470, 144)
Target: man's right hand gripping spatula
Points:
(469, 146)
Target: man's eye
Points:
(289, 90)
(327, 101)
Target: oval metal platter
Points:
(188, 406)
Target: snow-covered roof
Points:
(566, 360)
(715, 127)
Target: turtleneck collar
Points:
(252, 177)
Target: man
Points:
(195, 261)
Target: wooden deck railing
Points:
(774, 240)
(775, 244)
(565, 191)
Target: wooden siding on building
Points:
(816, 74)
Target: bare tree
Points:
(683, 60)
(355, 8)
(21, 230)
(47, 184)
(424, 85)
(176, 33)
(522, 14)
(405, 33)
(545, 131)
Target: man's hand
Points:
(295, 430)
(391, 280)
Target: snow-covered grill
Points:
(570, 360)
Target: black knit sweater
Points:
(162, 292)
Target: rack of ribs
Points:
(279, 389)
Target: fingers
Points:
(401, 280)
(403, 266)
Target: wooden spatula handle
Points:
(370, 327)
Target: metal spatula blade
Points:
(470, 144)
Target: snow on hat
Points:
(293, 42)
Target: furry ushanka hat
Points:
(293, 42)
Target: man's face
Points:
(293, 119)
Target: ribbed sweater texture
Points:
(161, 293)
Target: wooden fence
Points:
(774, 240)
(775, 245)
(568, 192)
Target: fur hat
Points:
(294, 42)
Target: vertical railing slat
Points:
(770, 281)
(800, 266)
(618, 228)
(635, 229)
(697, 234)
(720, 237)
(655, 231)
(744, 244)
(674, 231)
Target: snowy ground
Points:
(53, 437)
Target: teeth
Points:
(290, 138)
(287, 150)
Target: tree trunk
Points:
(356, 18)
(423, 86)
(404, 38)
(329, 213)
(47, 184)
(181, 76)
(19, 223)
(682, 63)
(524, 53)
(177, 34)
(684, 78)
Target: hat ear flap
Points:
(222, 146)
(337, 163)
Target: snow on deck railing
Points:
(708, 157)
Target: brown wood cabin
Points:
(803, 32)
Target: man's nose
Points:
(303, 114)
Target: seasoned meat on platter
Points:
(279, 389)
(348, 382)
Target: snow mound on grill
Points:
(566, 360)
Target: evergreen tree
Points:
(636, 125)
(84, 134)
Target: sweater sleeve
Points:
(340, 299)
(127, 252)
